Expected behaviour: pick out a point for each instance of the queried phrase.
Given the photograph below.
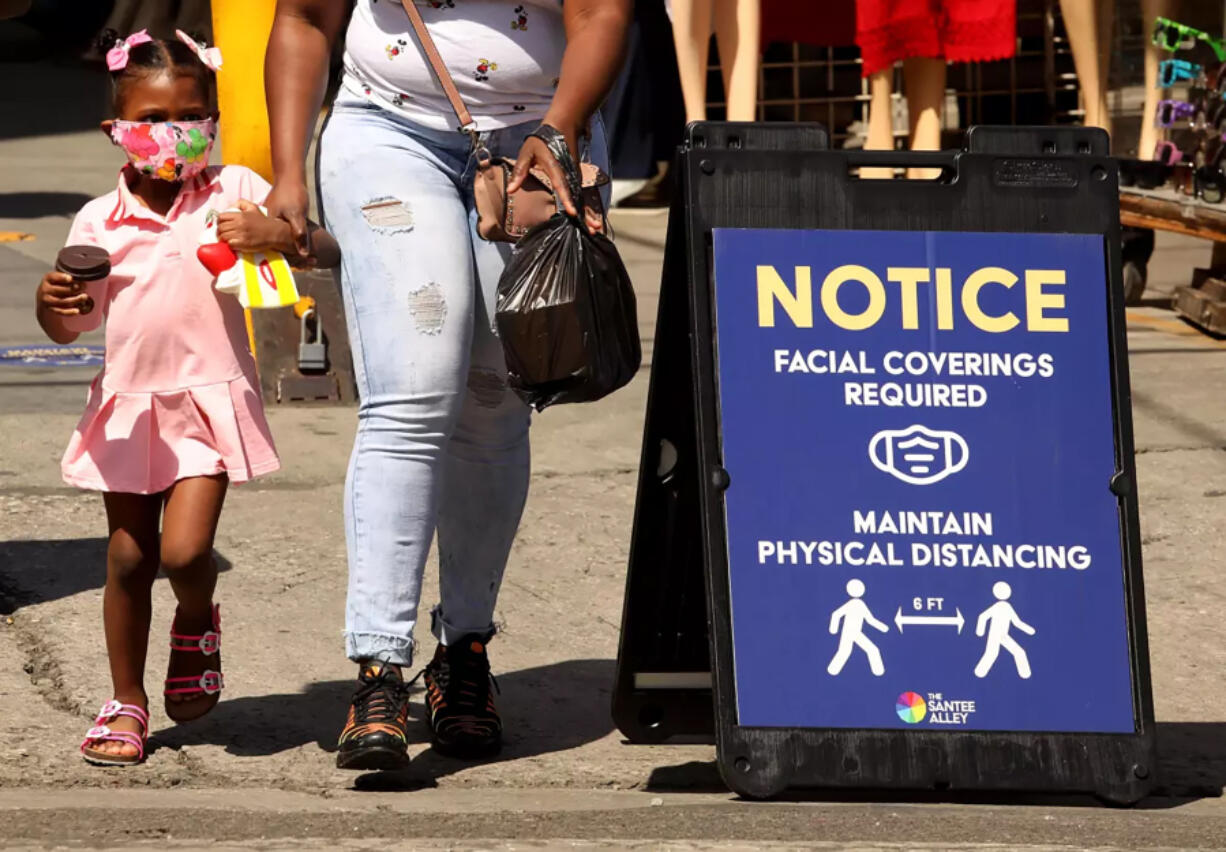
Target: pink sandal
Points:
(101, 733)
(208, 682)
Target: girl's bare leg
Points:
(131, 566)
(193, 507)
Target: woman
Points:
(442, 444)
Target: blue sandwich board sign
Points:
(896, 531)
(918, 430)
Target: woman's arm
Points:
(295, 79)
(595, 45)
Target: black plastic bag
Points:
(566, 311)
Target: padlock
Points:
(312, 357)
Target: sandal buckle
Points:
(97, 732)
(211, 682)
(210, 642)
(109, 710)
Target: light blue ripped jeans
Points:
(442, 443)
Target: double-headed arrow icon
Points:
(955, 620)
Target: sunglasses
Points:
(1172, 36)
(1210, 118)
(1183, 178)
(1170, 112)
(1210, 184)
(1210, 180)
(1173, 71)
(1167, 153)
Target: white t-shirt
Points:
(504, 55)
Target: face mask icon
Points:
(918, 455)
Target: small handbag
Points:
(502, 217)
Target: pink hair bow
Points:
(210, 56)
(117, 56)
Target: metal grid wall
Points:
(1130, 38)
(801, 82)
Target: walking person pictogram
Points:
(851, 618)
(996, 620)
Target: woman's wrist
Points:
(289, 177)
(569, 126)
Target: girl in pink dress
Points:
(175, 414)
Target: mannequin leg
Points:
(738, 27)
(1081, 24)
(1151, 9)
(692, 37)
(880, 117)
(1106, 46)
(924, 84)
(880, 120)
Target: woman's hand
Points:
(61, 294)
(290, 201)
(535, 153)
(595, 41)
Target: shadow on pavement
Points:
(37, 571)
(546, 709)
(1191, 758)
(33, 205)
(1210, 434)
(262, 725)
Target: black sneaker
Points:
(460, 700)
(374, 736)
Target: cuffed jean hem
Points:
(449, 634)
(384, 647)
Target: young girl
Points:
(175, 414)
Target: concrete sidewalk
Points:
(261, 766)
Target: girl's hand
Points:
(60, 294)
(536, 153)
(250, 230)
(290, 202)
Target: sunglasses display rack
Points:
(1189, 158)
(1183, 187)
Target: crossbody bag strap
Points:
(436, 64)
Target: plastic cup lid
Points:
(88, 263)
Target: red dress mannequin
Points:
(954, 30)
(925, 35)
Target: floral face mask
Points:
(169, 150)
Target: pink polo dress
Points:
(177, 395)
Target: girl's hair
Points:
(156, 57)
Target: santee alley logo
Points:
(918, 455)
(936, 709)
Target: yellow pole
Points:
(240, 29)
